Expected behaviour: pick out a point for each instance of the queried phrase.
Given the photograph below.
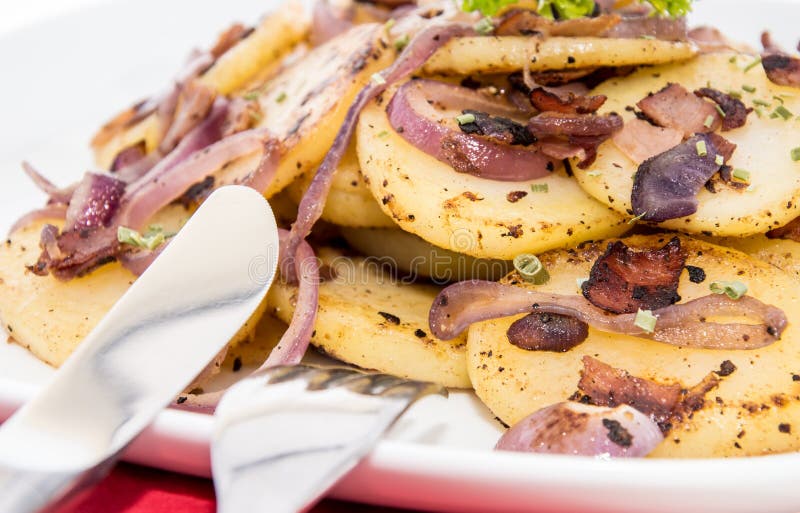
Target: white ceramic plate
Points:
(63, 77)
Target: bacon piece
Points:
(735, 111)
(723, 147)
(781, 68)
(790, 231)
(675, 107)
(498, 128)
(624, 280)
(540, 331)
(522, 22)
(568, 103)
(584, 131)
(605, 385)
(79, 252)
(710, 39)
(229, 38)
(665, 29)
(640, 140)
(562, 77)
(193, 108)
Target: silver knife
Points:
(166, 328)
(285, 435)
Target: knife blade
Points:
(152, 343)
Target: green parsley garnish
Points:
(702, 150)
(280, 98)
(465, 119)
(748, 88)
(484, 27)
(741, 174)
(732, 289)
(795, 153)
(531, 269)
(153, 238)
(568, 9)
(645, 320)
(752, 64)
(401, 42)
(540, 187)
(783, 112)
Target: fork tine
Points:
(285, 373)
(414, 389)
(332, 377)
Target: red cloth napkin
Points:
(134, 489)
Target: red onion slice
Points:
(584, 430)
(418, 122)
(54, 211)
(95, 202)
(54, 193)
(684, 324)
(415, 54)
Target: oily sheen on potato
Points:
(782, 253)
(764, 147)
(743, 416)
(471, 215)
(369, 320)
(51, 317)
(506, 54)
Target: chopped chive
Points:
(280, 98)
(250, 95)
(741, 174)
(594, 174)
(761, 103)
(752, 64)
(748, 88)
(778, 98)
(540, 187)
(719, 160)
(709, 121)
(732, 289)
(783, 112)
(382, 134)
(759, 112)
(732, 60)
(735, 94)
(645, 320)
(401, 42)
(389, 23)
(795, 153)
(531, 269)
(377, 79)
(721, 112)
(637, 218)
(484, 27)
(465, 119)
(646, 36)
(702, 150)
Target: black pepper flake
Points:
(390, 318)
(181, 399)
(10, 329)
(419, 333)
(696, 274)
(502, 423)
(237, 364)
(726, 368)
(795, 377)
(618, 434)
(785, 428)
(571, 59)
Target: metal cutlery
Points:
(169, 325)
(285, 435)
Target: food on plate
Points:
(417, 151)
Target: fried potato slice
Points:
(349, 203)
(471, 215)
(782, 253)
(307, 102)
(274, 37)
(763, 148)
(368, 319)
(740, 417)
(51, 317)
(414, 257)
(505, 54)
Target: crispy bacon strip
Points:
(605, 385)
(624, 280)
(567, 103)
(522, 22)
(735, 111)
(675, 107)
(547, 332)
(640, 140)
(781, 68)
(790, 231)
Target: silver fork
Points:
(285, 435)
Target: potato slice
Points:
(349, 202)
(273, 38)
(740, 417)
(505, 54)
(471, 215)
(782, 253)
(416, 258)
(307, 102)
(368, 319)
(51, 317)
(763, 148)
